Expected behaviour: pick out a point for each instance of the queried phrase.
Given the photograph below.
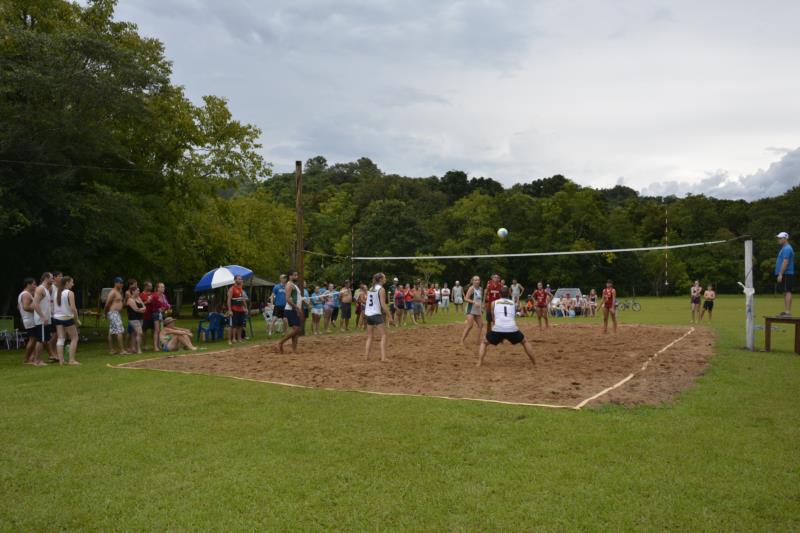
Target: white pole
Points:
(750, 308)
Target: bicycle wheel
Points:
(636, 306)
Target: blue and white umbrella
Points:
(221, 277)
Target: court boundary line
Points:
(578, 407)
(632, 375)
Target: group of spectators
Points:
(50, 318)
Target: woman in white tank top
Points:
(374, 310)
(474, 309)
(65, 318)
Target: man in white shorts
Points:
(445, 303)
(505, 327)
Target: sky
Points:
(665, 97)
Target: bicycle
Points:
(630, 303)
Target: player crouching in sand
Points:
(504, 328)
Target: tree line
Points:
(107, 168)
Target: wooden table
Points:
(781, 320)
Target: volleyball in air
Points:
(502, 233)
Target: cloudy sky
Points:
(665, 97)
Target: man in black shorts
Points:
(278, 304)
(504, 328)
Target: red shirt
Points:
(409, 295)
(148, 309)
(493, 291)
(540, 295)
(609, 295)
(236, 292)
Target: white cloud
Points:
(775, 180)
(655, 92)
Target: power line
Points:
(67, 165)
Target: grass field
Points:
(96, 448)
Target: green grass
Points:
(96, 448)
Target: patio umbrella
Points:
(221, 277)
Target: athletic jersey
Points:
(237, 300)
(295, 299)
(540, 295)
(504, 316)
(44, 306)
(608, 295)
(373, 307)
(493, 291)
(409, 295)
(63, 311)
(477, 294)
(27, 316)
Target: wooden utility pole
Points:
(299, 256)
(749, 307)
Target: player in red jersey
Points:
(492, 293)
(609, 305)
(541, 299)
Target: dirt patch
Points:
(574, 362)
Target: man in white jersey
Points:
(375, 309)
(504, 328)
(25, 305)
(42, 313)
(457, 295)
(293, 313)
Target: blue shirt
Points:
(279, 291)
(316, 301)
(787, 252)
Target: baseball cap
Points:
(119, 280)
(782, 235)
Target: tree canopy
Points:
(107, 168)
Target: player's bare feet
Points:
(73, 363)
(279, 348)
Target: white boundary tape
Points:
(631, 376)
(125, 366)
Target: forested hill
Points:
(356, 209)
(107, 169)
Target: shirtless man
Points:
(42, 314)
(346, 305)
(708, 302)
(293, 313)
(112, 311)
(517, 290)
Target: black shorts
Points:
(786, 283)
(347, 311)
(148, 324)
(708, 305)
(42, 332)
(335, 314)
(496, 337)
(292, 317)
(65, 323)
(375, 320)
(279, 311)
(489, 317)
(238, 319)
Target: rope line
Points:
(528, 254)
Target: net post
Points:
(300, 257)
(749, 297)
